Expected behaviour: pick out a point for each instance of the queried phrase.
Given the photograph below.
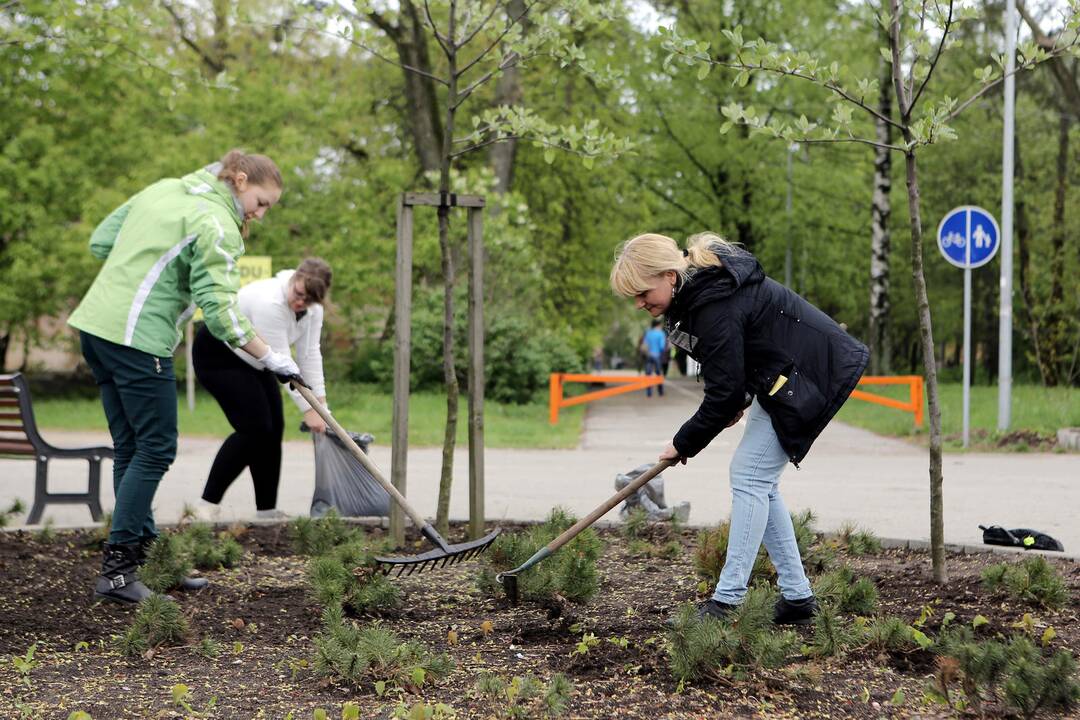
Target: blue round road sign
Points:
(968, 236)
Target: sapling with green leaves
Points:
(919, 37)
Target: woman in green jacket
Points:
(171, 247)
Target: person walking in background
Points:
(286, 310)
(169, 248)
(760, 346)
(655, 342)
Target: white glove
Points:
(279, 363)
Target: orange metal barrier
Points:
(628, 383)
(914, 382)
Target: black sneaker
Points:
(795, 612)
(715, 609)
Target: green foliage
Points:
(527, 696)
(157, 621)
(346, 576)
(635, 523)
(705, 647)
(518, 357)
(1031, 679)
(206, 551)
(16, 508)
(889, 633)
(317, 536)
(166, 564)
(831, 635)
(859, 542)
(357, 656)
(711, 553)
(571, 571)
(845, 592)
(1034, 580)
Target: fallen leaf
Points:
(238, 623)
(451, 637)
(487, 627)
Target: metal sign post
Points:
(968, 237)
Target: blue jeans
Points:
(758, 514)
(654, 367)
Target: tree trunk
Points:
(446, 477)
(1057, 321)
(1023, 243)
(5, 341)
(926, 331)
(508, 92)
(881, 241)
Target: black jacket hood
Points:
(709, 284)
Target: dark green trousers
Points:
(138, 391)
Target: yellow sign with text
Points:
(252, 268)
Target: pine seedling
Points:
(635, 524)
(711, 554)
(157, 621)
(526, 696)
(346, 577)
(166, 564)
(1034, 581)
(1034, 682)
(16, 508)
(859, 542)
(889, 633)
(316, 536)
(207, 551)
(831, 636)
(815, 555)
(698, 647)
(845, 592)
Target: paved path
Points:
(850, 476)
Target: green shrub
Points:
(527, 696)
(157, 621)
(637, 520)
(859, 542)
(711, 553)
(889, 633)
(831, 635)
(518, 357)
(16, 508)
(705, 647)
(571, 571)
(207, 551)
(847, 593)
(1030, 679)
(346, 576)
(317, 536)
(166, 564)
(373, 654)
(1034, 580)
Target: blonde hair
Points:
(260, 170)
(642, 258)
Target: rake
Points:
(509, 579)
(444, 553)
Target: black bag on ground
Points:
(1020, 537)
(342, 483)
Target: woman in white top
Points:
(286, 310)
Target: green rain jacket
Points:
(168, 249)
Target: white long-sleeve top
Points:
(265, 304)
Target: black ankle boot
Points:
(119, 580)
(187, 584)
(795, 612)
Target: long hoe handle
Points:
(359, 454)
(572, 532)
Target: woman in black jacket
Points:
(761, 347)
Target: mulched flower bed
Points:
(264, 619)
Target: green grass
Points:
(359, 408)
(1036, 410)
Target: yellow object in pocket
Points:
(778, 384)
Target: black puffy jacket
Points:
(746, 330)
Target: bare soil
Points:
(264, 618)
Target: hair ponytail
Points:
(259, 169)
(642, 258)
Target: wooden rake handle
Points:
(635, 484)
(359, 454)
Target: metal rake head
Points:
(440, 557)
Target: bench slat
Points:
(15, 447)
(4, 427)
(9, 402)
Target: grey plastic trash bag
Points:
(342, 483)
(650, 497)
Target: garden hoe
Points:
(508, 579)
(444, 554)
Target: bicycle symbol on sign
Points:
(953, 239)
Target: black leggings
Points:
(251, 400)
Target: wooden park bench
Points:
(19, 437)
